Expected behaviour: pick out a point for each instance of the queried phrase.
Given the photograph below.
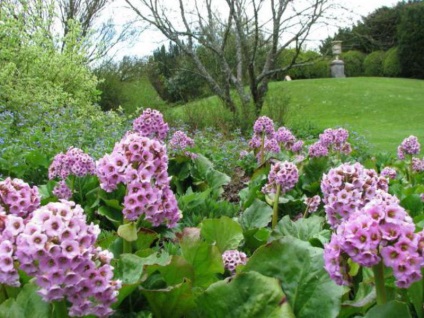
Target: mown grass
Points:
(383, 110)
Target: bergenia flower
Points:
(283, 174)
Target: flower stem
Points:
(3, 294)
(262, 150)
(127, 246)
(379, 283)
(305, 214)
(275, 208)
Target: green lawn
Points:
(384, 110)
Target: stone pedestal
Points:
(337, 68)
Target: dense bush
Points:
(316, 68)
(373, 64)
(391, 63)
(46, 100)
(125, 84)
(353, 63)
(411, 41)
(174, 76)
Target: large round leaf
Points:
(248, 295)
(300, 269)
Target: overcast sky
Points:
(150, 40)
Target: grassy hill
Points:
(384, 110)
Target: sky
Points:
(149, 40)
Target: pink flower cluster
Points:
(17, 203)
(347, 188)
(266, 139)
(264, 126)
(18, 198)
(284, 174)
(56, 246)
(381, 230)
(317, 149)
(180, 142)
(312, 203)
(417, 164)
(409, 146)
(233, 258)
(73, 162)
(285, 137)
(389, 173)
(331, 140)
(141, 164)
(151, 124)
(11, 227)
(62, 191)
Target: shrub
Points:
(373, 64)
(353, 63)
(411, 40)
(318, 69)
(391, 63)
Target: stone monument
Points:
(337, 66)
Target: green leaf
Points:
(111, 214)
(145, 238)
(128, 231)
(413, 204)
(174, 301)
(303, 229)
(312, 173)
(177, 271)
(224, 232)
(129, 268)
(300, 269)
(258, 215)
(248, 295)
(393, 309)
(205, 259)
(113, 204)
(10, 309)
(250, 194)
(416, 296)
(36, 158)
(28, 304)
(255, 238)
(124, 292)
(216, 179)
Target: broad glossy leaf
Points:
(129, 268)
(413, 204)
(224, 232)
(300, 269)
(172, 302)
(177, 271)
(248, 295)
(205, 259)
(258, 215)
(416, 296)
(128, 231)
(303, 229)
(393, 309)
(28, 304)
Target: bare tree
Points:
(256, 25)
(99, 36)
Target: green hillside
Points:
(384, 110)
